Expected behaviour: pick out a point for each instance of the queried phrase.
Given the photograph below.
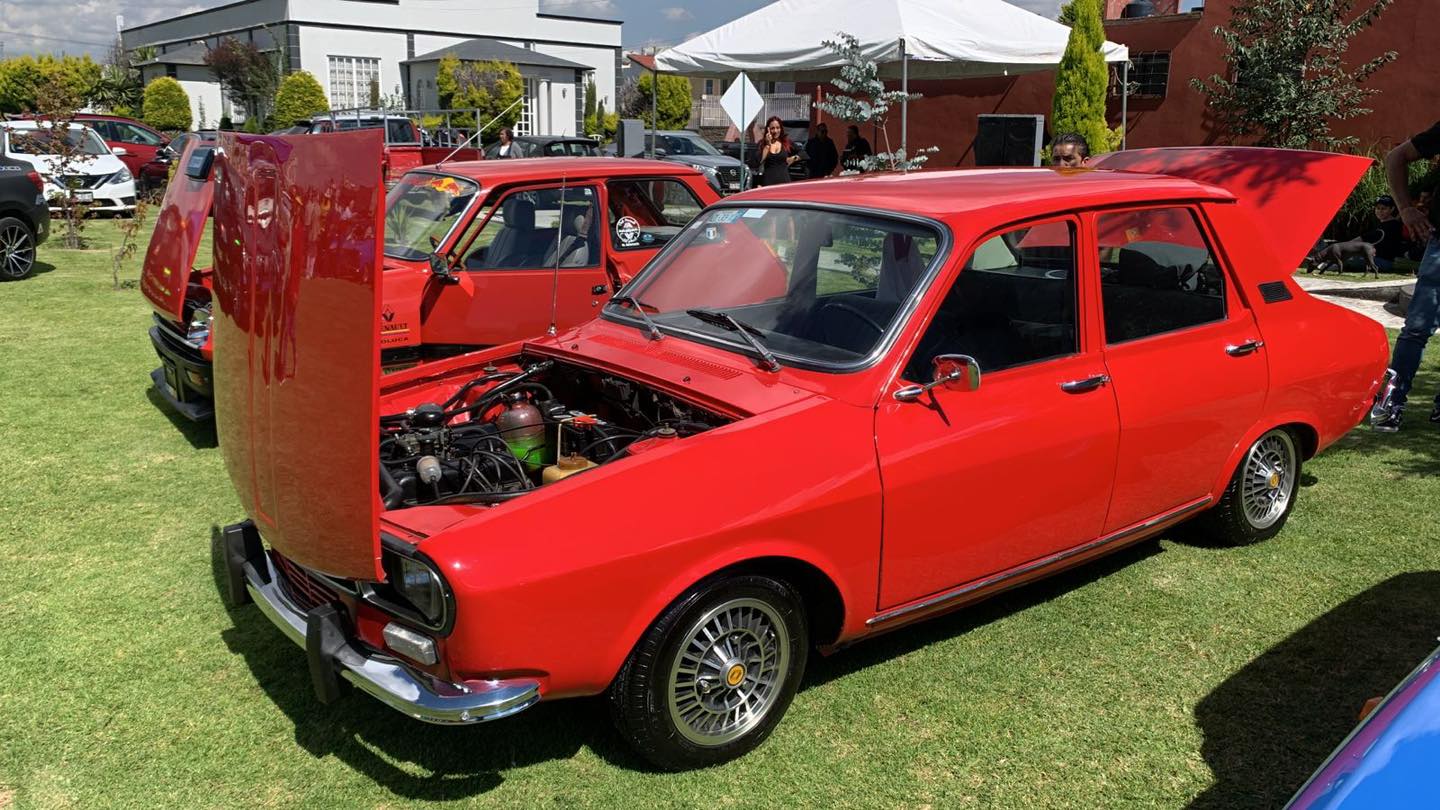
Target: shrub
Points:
(166, 107)
(300, 96)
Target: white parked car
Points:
(96, 177)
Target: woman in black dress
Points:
(776, 154)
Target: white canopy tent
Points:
(922, 39)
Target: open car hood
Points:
(298, 228)
(1294, 194)
(178, 230)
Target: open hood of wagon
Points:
(1293, 193)
(298, 229)
(178, 230)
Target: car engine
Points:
(506, 433)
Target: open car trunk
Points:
(1294, 192)
(298, 229)
(178, 231)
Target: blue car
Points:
(1390, 760)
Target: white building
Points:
(355, 46)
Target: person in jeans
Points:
(1424, 313)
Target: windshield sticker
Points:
(754, 213)
(726, 216)
(627, 230)
(447, 185)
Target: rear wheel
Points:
(17, 249)
(713, 676)
(1261, 494)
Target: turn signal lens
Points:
(418, 647)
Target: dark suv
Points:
(24, 218)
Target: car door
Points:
(643, 214)
(992, 481)
(1183, 354)
(535, 246)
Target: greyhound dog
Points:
(1332, 257)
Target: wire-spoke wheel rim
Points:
(1268, 482)
(728, 672)
(17, 251)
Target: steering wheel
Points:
(861, 316)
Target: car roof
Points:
(30, 123)
(497, 172)
(1022, 191)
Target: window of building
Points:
(1157, 274)
(351, 78)
(525, 124)
(709, 87)
(1012, 304)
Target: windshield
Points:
(687, 145)
(43, 141)
(421, 210)
(818, 286)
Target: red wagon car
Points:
(823, 412)
(470, 254)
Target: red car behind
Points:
(138, 146)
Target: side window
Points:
(399, 130)
(129, 133)
(1012, 304)
(645, 214)
(536, 228)
(1157, 274)
(106, 130)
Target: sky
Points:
(88, 26)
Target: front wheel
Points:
(713, 676)
(1261, 494)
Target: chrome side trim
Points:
(389, 681)
(1380, 408)
(1114, 537)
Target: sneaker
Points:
(1389, 422)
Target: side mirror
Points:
(119, 151)
(440, 268)
(954, 372)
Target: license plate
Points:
(171, 380)
(84, 196)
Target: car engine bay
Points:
(504, 434)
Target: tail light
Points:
(34, 177)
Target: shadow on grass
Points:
(40, 268)
(201, 435)
(1271, 724)
(424, 762)
(411, 759)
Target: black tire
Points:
(663, 712)
(17, 249)
(1230, 522)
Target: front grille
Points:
(171, 336)
(303, 588)
(729, 174)
(82, 181)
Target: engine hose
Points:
(391, 493)
(458, 395)
(515, 382)
(479, 497)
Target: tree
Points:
(166, 107)
(491, 88)
(1067, 14)
(247, 75)
(868, 103)
(591, 105)
(672, 106)
(1082, 80)
(300, 96)
(56, 103)
(118, 89)
(1288, 76)
(22, 80)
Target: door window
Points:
(1012, 304)
(1157, 274)
(129, 133)
(645, 214)
(536, 228)
(106, 130)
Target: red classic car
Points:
(774, 437)
(475, 254)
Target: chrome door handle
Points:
(1242, 349)
(1087, 384)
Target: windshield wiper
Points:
(636, 306)
(751, 334)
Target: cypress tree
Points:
(1082, 79)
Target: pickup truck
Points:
(476, 253)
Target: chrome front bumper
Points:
(385, 679)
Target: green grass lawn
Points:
(1168, 675)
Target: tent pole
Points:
(905, 102)
(654, 94)
(1124, 103)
